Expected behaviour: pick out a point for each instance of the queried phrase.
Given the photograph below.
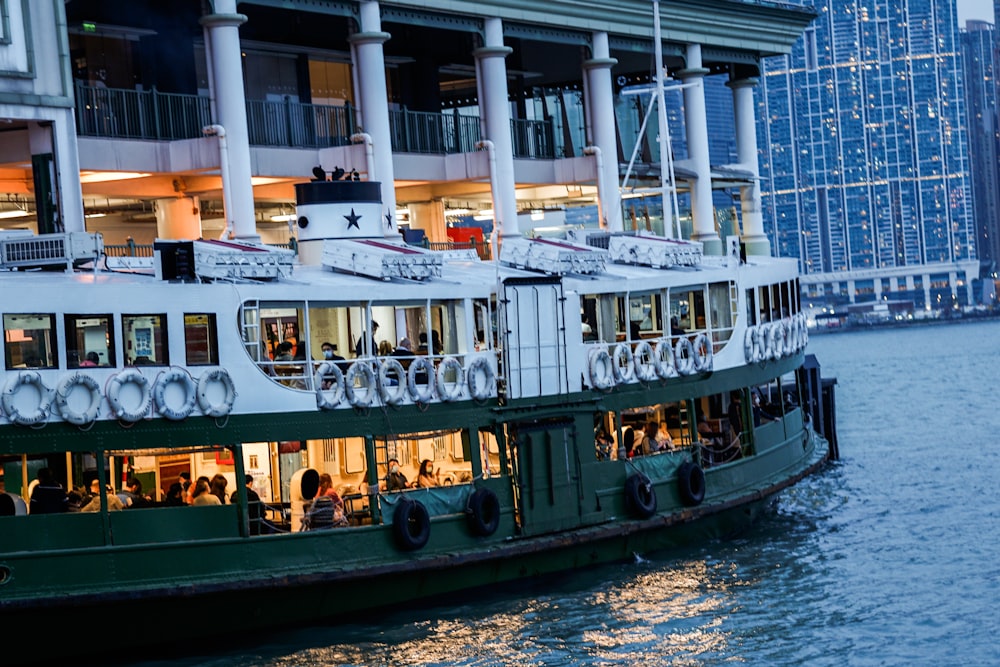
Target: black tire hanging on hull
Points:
(411, 525)
(483, 512)
(640, 497)
(691, 483)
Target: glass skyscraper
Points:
(864, 164)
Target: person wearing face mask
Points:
(395, 480)
(329, 351)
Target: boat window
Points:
(687, 304)
(29, 341)
(721, 299)
(201, 344)
(145, 338)
(643, 315)
(90, 340)
(329, 324)
(484, 324)
(601, 313)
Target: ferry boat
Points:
(572, 401)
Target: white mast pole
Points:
(666, 177)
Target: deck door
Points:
(533, 337)
(549, 476)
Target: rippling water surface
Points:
(888, 557)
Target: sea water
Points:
(890, 556)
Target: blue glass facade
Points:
(863, 142)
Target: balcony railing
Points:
(150, 114)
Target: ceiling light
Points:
(105, 176)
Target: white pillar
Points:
(600, 102)
(495, 109)
(696, 126)
(59, 138)
(953, 283)
(429, 216)
(746, 151)
(223, 34)
(926, 280)
(373, 107)
(178, 218)
(852, 291)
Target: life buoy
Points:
(663, 354)
(357, 398)
(623, 366)
(763, 342)
(750, 344)
(640, 496)
(188, 386)
(13, 387)
(703, 353)
(205, 404)
(450, 391)
(684, 356)
(601, 375)
(775, 344)
(480, 367)
(66, 387)
(645, 361)
(805, 333)
(113, 392)
(392, 394)
(423, 367)
(691, 483)
(329, 398)
(411, 524)
(483, 512)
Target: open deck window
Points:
(90, 340)
(145, 339)
(30, 341)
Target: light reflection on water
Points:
(889, 557)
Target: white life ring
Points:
(663, 354)
(328, 399)
(392, 394)
(480, 366)
(704, 355)
(792, 336)
(421, 365)
(624, 364)
(645, 361)
(775, 344)
(11, 389)
(450, 391)
(223, 407)
(750, 344)
(360, 399)
(763, 351)
(601, 375)
(113, 391)
(684, 356)
(805, 333)
(184, 379)
(66, 387)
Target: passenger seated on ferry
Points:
(323, 512)
(218, 487)
(634, 330)
(395, 480)
(705, 431)
(132, 495)
(175, 495)
(92, 359)
(428, 477)
(283, 352)
(603, 444)
(628, 440)
(405, 353)
(663, 438)
(254, 507)
(94, 504)
(48, 497)
(203, 494)
(194, 487)
(675, 327)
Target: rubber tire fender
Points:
(483, 512)
(691, 483)
(640, 497)
(411, 525)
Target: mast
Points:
(667, 191)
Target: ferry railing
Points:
(128, 249)
(482, 248)
(150, 114)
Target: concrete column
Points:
(852, 291)
(223, 36)
(696, 127)
(429, 216)
(910, 284)
(178, 218)
(968, 288)
(491, 71)
(926, 278)
(600, 102)
(58, 138)
(877, 282)
(746, 151)
(953, 283)
(373, 107)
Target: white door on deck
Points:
(534, 349)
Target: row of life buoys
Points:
(648, 362)
(193, 393)
(391, 382)
(775, 340)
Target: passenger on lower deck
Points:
(48, 497)
(395, 480)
